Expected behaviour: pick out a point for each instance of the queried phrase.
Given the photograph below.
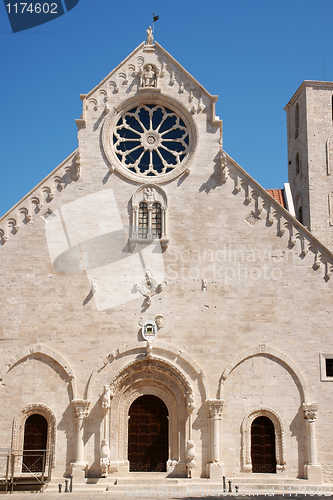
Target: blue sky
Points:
(252, 54)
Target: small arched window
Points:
(156, 221)
(298, 164)
(143, 221)
(300, 214)
(298, 208)
(296, 119)
(149, 216)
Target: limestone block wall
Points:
(239, 275)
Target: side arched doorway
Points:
(148, 435)
(263, 445)
(35, 442)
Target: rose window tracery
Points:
(151, 140)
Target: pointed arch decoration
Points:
(275, 353)
(48, 352)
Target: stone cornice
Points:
(259, 200)
(33, 204)
(114, 71)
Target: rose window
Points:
(150, 140)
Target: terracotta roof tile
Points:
(277, 194)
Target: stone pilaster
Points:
(81, 407)
(312, 468)
(214, 410)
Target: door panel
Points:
(148, 435)
(263, 445)
(35, 440)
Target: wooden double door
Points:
(263, 445)
(148, 432)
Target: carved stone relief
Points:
(310, 410)
(149, 76)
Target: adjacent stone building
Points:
(160, 310)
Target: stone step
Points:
(265, 479)
(136, 480)
(264, 484)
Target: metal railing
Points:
(26, 469)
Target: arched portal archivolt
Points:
(279, 437)
(148, 376)
(19, 426)
(161, 351)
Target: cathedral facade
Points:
(161, 311)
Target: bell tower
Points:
(310, 157)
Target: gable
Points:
(206, 164)
(124, 81)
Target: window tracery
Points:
(150, 140)
(149, 216)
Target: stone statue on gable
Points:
(150, 36)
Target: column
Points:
(164, 222)
(312, 468)
(150, 209)
(81, 407)
(190, 447)
(135, 223)
(214, 410)
(105, 450)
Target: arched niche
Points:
(280, 453)
(19, 427)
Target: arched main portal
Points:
(148, 435)
(35, 442)
(263, 445)
(150, 377)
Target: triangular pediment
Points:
(124, 82)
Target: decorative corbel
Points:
(223, 166)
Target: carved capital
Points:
(214, 408)
(310, 410)
(81, 407)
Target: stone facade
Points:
(177, 236)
